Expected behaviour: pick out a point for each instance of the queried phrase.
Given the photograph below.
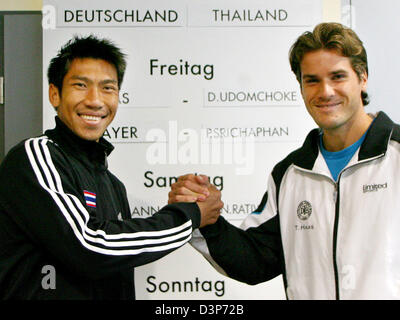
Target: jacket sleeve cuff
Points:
(190, 209)
(213, 230)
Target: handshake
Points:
(192, 188)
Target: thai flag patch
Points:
(90, 198)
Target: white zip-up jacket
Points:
(329, 239)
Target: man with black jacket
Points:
(66, 230)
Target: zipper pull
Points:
(335, 193)
(105, 160)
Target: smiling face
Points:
(332, 90)
(89, 99)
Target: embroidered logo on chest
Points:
(374, 187)
(304, 210)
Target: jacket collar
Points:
(375, 143)
(377, 138)
(93, 152)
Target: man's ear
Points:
(364, 81)
(54, 96)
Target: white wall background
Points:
(377, 24)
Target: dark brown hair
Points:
(331, 36)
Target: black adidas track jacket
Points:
(60, 208)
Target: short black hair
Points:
(85, 47)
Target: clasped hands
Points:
(197, 188)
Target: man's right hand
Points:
(210, 208)
(192, 188)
